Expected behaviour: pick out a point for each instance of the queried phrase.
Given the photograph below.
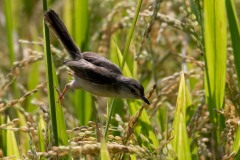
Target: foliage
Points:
(183, 52)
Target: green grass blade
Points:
(215, 57)
(191, 109)
(130, 33)
(235, 34)
(3, 140)
(104, 151)
(126, 71)
(162, 115)
(10, 42)
(33, 81)
(81, 21)
(180, 140)
(109, 115)
(57, 116)
(68, 15)
(24, 137)
(12, 147)
(9, 26)
(236, 144)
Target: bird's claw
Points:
(60, 98)
(61, 94)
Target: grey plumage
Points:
(93, 72)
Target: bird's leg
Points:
(61, 95)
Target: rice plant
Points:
(185, 53)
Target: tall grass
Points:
(10, 36)
(9, 27)
(57, 117)
(179, 123)
(12, 149)
(130, 33)
(235, 34)
(235, 37)
(215, 58)
(193, 114)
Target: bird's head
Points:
(133, 89)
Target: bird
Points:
(92, 72)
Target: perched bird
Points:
(91, 71)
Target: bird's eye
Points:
(132, 90)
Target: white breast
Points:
(99, 90)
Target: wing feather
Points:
(101, 62)
(91, 72)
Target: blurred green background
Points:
(194, 115)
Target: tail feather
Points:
(55, 23)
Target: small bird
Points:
(91, 71)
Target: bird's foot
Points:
(60, 98)
(60, 95)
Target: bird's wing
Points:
(101, 62)
(92, 73)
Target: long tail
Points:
(56, 24)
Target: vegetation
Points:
(185, 53)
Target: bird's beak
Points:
(145, 100)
